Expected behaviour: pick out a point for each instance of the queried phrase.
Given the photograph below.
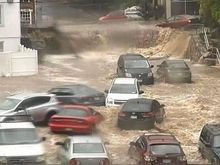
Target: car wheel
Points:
(48, 116)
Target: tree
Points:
(210, 11)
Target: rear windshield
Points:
(73, 112)
(124, 89)
(18, 136)
(88, 148)
(177, 65)
(136, 64)
(137, 107)
(165, 149)
(216, 142)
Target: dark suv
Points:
(209, 143)
(157, 149)
(135, 66)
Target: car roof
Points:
(124, 80)
(25, 95)
(161, 139)
(86, 139)
(132, 56)
(71, 106)
(11, 125)
(213, 128)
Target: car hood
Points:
(117, 96)
(217, 151)
(22, 150)
(138, 70)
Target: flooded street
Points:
(188, 106)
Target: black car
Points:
(140, 113)
(174, 71)
(209, 143)
(135, 66)
(78, 94)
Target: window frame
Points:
(26, 21)
(1, 15)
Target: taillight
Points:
(121, 114)
(74, 162)
(148, 114)
(104, 162)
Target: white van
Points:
(20, 144)
(121, 90)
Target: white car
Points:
(83, 150)
(20, 144)
(121, 90)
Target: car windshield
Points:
(18, 136)
(165, 149)
(88, 148)
(8, 103)
(177, 65)
(124, 89)
(73, 112)
(216, 142)
(136, 64)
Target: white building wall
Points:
(10, 28)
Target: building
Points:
(177, 7)
(15, 59)
(28, 12)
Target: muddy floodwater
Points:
(188, 106)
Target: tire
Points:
(214, 161)
(48, 116)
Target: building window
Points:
(26, 16)
(26, 1)
(1, 46)
(1, 15)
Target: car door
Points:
(37, 107)
(64, 152)
(162, 69)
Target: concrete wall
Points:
(10, 28)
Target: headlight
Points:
(150, 74)
(40, 158)
(128, 75)
(3, 160)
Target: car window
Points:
(84, 90)
(178, 18)
(216, 141)
(136, 64)
(18, 136)
(88, 148)
(61, 91)
(155, 105)
(8, 103)
(140, 143)
(73, 112)
(171, 19)
(124, 89)
(203, 135)
(164, 149)
(35, 101)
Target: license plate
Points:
(68, 129)
(140, 80)
(166, 161)
(133, 117)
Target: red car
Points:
(117, 15)
(157, 149)
(75, 118)
(179, 21)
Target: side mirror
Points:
(43, 139)
(152, 66)
(106, 91)
(59, 143)
(132, 143)
(106, 143)
(20, 109)
(162, 105)
(141, 92)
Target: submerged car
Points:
(209, 143)
(78, 94)
(121, 90)
(180, 21)
(157, 149)
(75, 118)
(140, 113)
(83, 150)
(174, 71)
(20, 144)
(135, 66)
(41, 106)
(118, 15)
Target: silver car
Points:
(83, 150)
(41, 106)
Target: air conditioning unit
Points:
(10, 1)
